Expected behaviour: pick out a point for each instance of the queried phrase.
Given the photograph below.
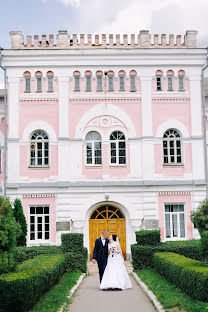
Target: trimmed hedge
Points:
(76, 261)
(72, 242)
(191, 276)
(25, 253)
(20, 290)
(142, 256)
(148, 237)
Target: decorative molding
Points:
(104, 100)
(170, 100)
(39, 101)
(174, 193)
(38, 195)
(105, 122)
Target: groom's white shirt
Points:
(103, 240)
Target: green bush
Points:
(25, 253)
(200, 216)
(204, 243)
(148, 237)
(142, 256)
(20, 218)
(72, 242)
(191, 276)
(20, 290)
(8, 233)
(76, 261)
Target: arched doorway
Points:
(110, 218)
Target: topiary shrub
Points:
(191, 276)
(148, 237)
(76, 261)
(8, 233)
(200, 220)
(142, 256)
(20, 290)
(25, 253)
(20, 218)
(72, 242)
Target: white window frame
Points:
(93, 164)
(101, 89)
(117, 151)
(170, 77)
(50, 88)
(161, 87)
(41, 84)
(38, 241)
(110, 83)
(88, 83)
(183, 80)
(76, 85)
(172, 238)
(120, 89)
(43, 141)
(133, 89)
(175, 163)
(27, 91)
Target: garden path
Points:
(90, 298)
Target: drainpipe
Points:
(5, 125)
(204, 122)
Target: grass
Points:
(57, 295)
(171, 298)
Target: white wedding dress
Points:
(115, 274)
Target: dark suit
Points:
(100, 254)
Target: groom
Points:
(100, 252)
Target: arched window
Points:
(118, 148)
(172, 147)
(159, 75)
(39, 149)
(110, 80)
(132, 80)
(88, 77)
(181, 78)
(76, 81)
(50, 81)
(93, 148)
(27, 77)
(170, 75)
(99, 75)
(38, 76)
(121, 75)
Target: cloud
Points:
(67, 3)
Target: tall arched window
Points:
(93, 148)
(27, 77)
(39, 79)
(118, 148)
(172, 147)
(39, 149)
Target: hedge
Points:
(148, 237)
(20, 290)
(25, 253)
(191, 276)
(76, 261)
(142, 256)
(72, 242)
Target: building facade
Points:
(105, 132)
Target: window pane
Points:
(110, 83)
(39, 235)
(39, 161)
(181, 208)
(181, 82)
(113, 160)
(121, 83)
(39, 84)
(121, 144)
(133, 83)
(32, 211)
(98, 160)
(89, 161)
(39, 210)
(182, 225)
(46, 219)
(167, 208)
(122, 160)
(165, 160)
(46, 210)
(46, 235)
(174, 225)
(32, 236)
(88, 83)
(159, 83)
(167, 225)
(50, 83)
(170, 83)
(27, 84)
(99, 83)
(77, 83)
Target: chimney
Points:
(144, 39)
(17, 39)
(63, 39)
(190, 38)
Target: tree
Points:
(20, 218)
(8, 233)
(200, 220)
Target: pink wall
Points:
(38, 173)
(173, 171)
(163, 112)
(180, 198)
(51, 201)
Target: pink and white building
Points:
(98, 121)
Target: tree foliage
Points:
(20, 218)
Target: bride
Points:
(115, 275)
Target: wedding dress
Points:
(115, 274)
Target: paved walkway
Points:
(89, 297)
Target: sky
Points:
(102, 16)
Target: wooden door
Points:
(110, 218)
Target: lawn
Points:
(171, 298)
(57, 295)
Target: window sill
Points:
(38, 91)
(50, 91)
(39, 167)
(88, 90)
(76, 90)
(93, 166)
(99, 90)
(133, 90)
(181, 90)
(39, 242)
(27, 91)
(122, 90)
(173, 165)
(118, 165)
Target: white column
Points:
(147, 141)
(13, 133)
(63, 107)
